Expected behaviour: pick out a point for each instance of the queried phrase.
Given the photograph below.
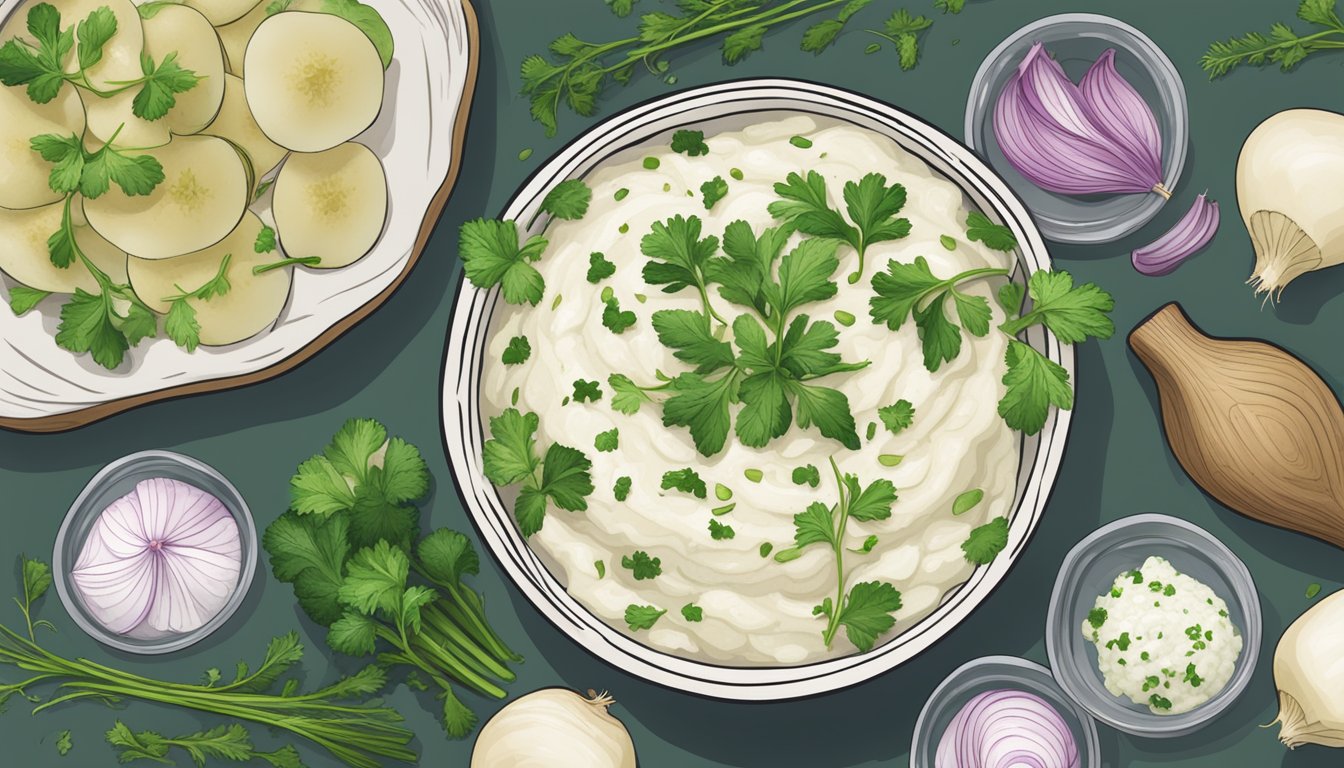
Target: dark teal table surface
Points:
(388, 368)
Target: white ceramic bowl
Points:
(714, 109)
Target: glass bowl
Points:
(990, 673)
(111, 483)
(1076, 40)
(1090, 569)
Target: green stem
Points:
(842, 514)
(306, 261)
(704, 301)
(438, 620)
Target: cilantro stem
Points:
(842, 521)
(955, 280)
(306, 261)
(704, 300)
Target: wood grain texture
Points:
(63, 422)
(1252, 425)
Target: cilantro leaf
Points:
(828, 409)
(987, 541)
(741, 277)
(639, 617)
(66, 153)
(375, 579)
(912, 290)
(805, 347)
(1010, 297)
(690, 143)
(23, 299)
(897, 416)
(93, 33)
(742, 43)
(713, 191)
(821, 35)
(607, 441)
(1073, 314)
(403, 476)
(688, 333)
(702, 405)
(995, 236)
(766, 413)
(677, 255)
(872, 206)
(642, 566)
(354, 634)
(900, 290)
(491, 256)
(873, 502)
(867, 612)
(87, 326)
(517, 352)
(692, 612)
(353, 445)
(685, 480)
(309, 552)
(587, 391)
(1034, 383)
(369, 21)
(568, 200)
(446, 556)
(815, 525)
(599, 268)
(135, 174)
(720, 532)
(265, 240)
(162, 83)
(615, 319)
(626, 396)
(903, 29)
(40, 68)
(565, 482)
(621, 490)
(510, 453)
(804, 204)
(804, 276)
(621, 7)
(808, 475)
(181, 326)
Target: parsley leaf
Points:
(621, 7)
(180, 324)
(607, 441)
(41, 68)
(690, 143)
(742, 43)
(713, 191)
(568, 200)
(639, 617)
(511, 452)
(685, 480)
(987, 541)
(599, 268)
(616, 320)
(995, 236)
(642, 566)
(903, 29)
(491, 256)
(1072, 314)
(517, 352)
(702, 405)
(897, 416)
(135, 174)
(162, 83)
(692, 612)
(677, 255)
(1034, 383)
(93, 33)
(310, 551)
(720, 532)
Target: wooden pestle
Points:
(1252, 425)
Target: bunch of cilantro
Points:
(352, 547)
(778, 354)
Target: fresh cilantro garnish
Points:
(91, 174)
(621, 490)
(1192, 677)
(22, 299)
(685, 480)
(987, 541)
(966, 501)
(903, 30)
(626, 395)
(265, 240)
(821, 35)
(1010, 297)
(262, 188)
(872, 206)
(912, 290)
(1073, 314)
(614, 318)
(897, 416)
(369, 21)
(568, 200)
(587, 391)
(64, 743)
(491, 256)
(1096, 617)
(599, 268)
(1159, 702)
(66, 154)
(41, 67)
(1034, 383)
(642, 566)
(865, 609)
(691, 143)
(517, 352)
(713, 191)
(510, 456)
(692, 612)
(808, 475)
(160, 86)
(607, 441)
(949, 6)
(601, 568)
(639, 617)
(678, 257)
(994, 236)
(180, 324)
(720, 532)
(869, 542)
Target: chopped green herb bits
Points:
(639, 617)
(720, 532)
(713, 191)
(587, 391)
(525, 153)
(754, 475)
(685, 480)
(890, 459)
(608, 294)
(641, 566)
(948, 242)
(801, 142)
(1313, 590)
(559, 297)
(517, 352)
(601, 568)
(599, 268)
(652, 163)
(808, 475)
(722, 492)
(1096, 617)
(621, 194)
(608, 441)
(692, 612)
(736, 173)
(844, 318)
(725, 509)
(513, 399)
(667, 187)
(966, 501)
(622, 488)
(687, 142)
(897, 416)
(641, 298)
(766, 548)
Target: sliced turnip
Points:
(235, 36)
(171, 29)
(25, 257)
(121, 54)
(203, 195)
(313, 81)
(23, 172)
(221, 12)
(235, 123)
(331, 204)
(252, 303)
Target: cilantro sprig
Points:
(907, 291)
(491, 256)
(864, 609)
(223, 742)
(871, 203)
(561, 478)
(180, 323)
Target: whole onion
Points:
(1007, 729)
(555, 728)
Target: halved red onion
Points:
(1047, 131)
(1113, 105)
(1007, 729)
(1191, 233)
(163, 559)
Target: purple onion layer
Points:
(1191, 233)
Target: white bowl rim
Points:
(462, 429)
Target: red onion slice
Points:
(1113, 105)
(1191, 233)
(1007, 729)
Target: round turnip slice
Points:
(23, 173)
(121, 53)
(235, 36)
(251, 305)
(27, 259)
(331, 204)
(224, 11)
(236, 124)
(202, 197)
(313, 80)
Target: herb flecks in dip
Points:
(1164, 639)
(753, 607)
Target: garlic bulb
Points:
(555, 728)
(1310, 678)
(1286, 169)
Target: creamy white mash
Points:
(755, 610)
(1164, 639)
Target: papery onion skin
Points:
(555, 728)
(1007, 729)
(1194, 231)
(1042, 126)
(1309, 677)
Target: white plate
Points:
(418, 136)
(714, 109)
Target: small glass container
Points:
(1076, 40)
(1090, 569)
(111, 483)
